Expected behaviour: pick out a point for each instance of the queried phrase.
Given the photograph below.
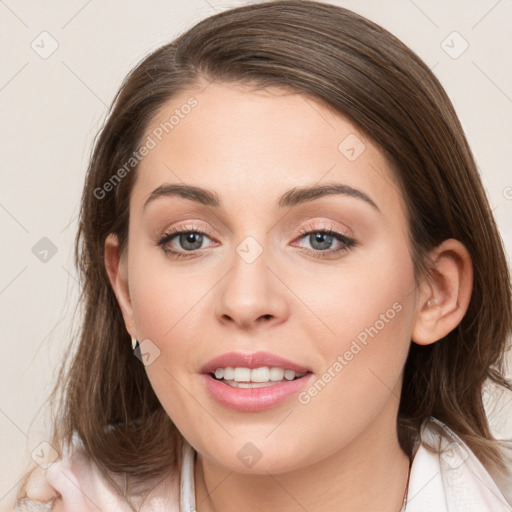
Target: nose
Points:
(251, 294)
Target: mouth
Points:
(253, 382)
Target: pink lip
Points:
(254, 360)
(254, 399)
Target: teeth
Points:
(289, 374)
(260, 375)
(256, 375)
(276, 374)
(242, 375)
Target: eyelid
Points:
(326, 225)
(311, 225)
(180, 228)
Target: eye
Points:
(190, 238)
(321, 238)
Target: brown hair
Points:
(365, 73)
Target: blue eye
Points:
(191, 239)
(321, 239)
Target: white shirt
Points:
(451, 480)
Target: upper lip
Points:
(251, 360)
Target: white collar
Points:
(450, 480)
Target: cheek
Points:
(169, 307)
(380, 335)
(369, 312)
(369, 296)
(166, 303)
(164, 295)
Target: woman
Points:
(293, 285)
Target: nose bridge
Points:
(250, 289)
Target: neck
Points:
(368, 475)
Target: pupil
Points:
(323, 238)
(190, 240)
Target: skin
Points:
(340, 451)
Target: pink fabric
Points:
(77, 486)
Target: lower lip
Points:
(254, 399)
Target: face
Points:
(322, 280)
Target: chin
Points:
(258, 457)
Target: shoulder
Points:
(447, 476)
(73, 483)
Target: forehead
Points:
(258, 143)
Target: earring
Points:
(135, 343)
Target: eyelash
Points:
(347, 243)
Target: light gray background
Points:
(52, 107)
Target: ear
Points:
(115, 264)
(445, 294)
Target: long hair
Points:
(362, 71)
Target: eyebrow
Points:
(293, 197)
